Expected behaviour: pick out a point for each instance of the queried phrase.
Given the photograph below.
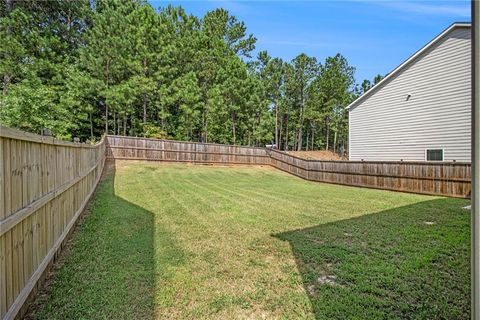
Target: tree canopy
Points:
(83, 68)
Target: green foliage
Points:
(152, 131)
(31, 106)
(367, 85)
(84, 68)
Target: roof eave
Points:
(406, 62)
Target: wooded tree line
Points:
(82, 68)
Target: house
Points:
(421, 111)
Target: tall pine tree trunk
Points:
(279, 147)
(313, 139)
(202, 135)
(106, 118)
(91, 126)
(144, 109)
(300, 129)
(335, 142)
(115, 123)
(205, 120)
(294, 141)
(145, 73)
(233, 128)
(206, 129)
(163, 120)
(118, 123)
(328, 136)
(276, 125)
(107, 77)
(306, 145)
(286, 134)
(347, 145)
(298, 141)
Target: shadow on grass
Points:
(109, 270)
(408, 262)
(404, 263)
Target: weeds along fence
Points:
(450, 179)
(45, 185)
(131, 148)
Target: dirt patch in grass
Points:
(317, 155)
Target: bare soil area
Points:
(317, 155)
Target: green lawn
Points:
(191, 242)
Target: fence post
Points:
(195, 154)
(308, 169)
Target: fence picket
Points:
(40, 178)
(443, 178)
(47, 183)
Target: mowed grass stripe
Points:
(285, 207)
(172, 241)
(204, 212)
(259, 203)
(293, 207)
(298, 190)
(247, 206)
(221, 243)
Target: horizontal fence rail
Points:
(46, 183)
(434, 178)
(131, 148)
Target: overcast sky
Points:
(375, 36)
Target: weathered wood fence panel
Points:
(132, 148)
(441, 178)
(45, 184)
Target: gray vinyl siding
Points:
(385, 126)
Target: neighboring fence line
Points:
(132, 148)
(434, 178)
(450, 179)
(46, 184)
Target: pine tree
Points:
(85, 68)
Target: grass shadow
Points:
(196, 252)
(411, 262)
(109, 271)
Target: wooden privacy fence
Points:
(131, 148)
(435, 178)
(45, 185)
